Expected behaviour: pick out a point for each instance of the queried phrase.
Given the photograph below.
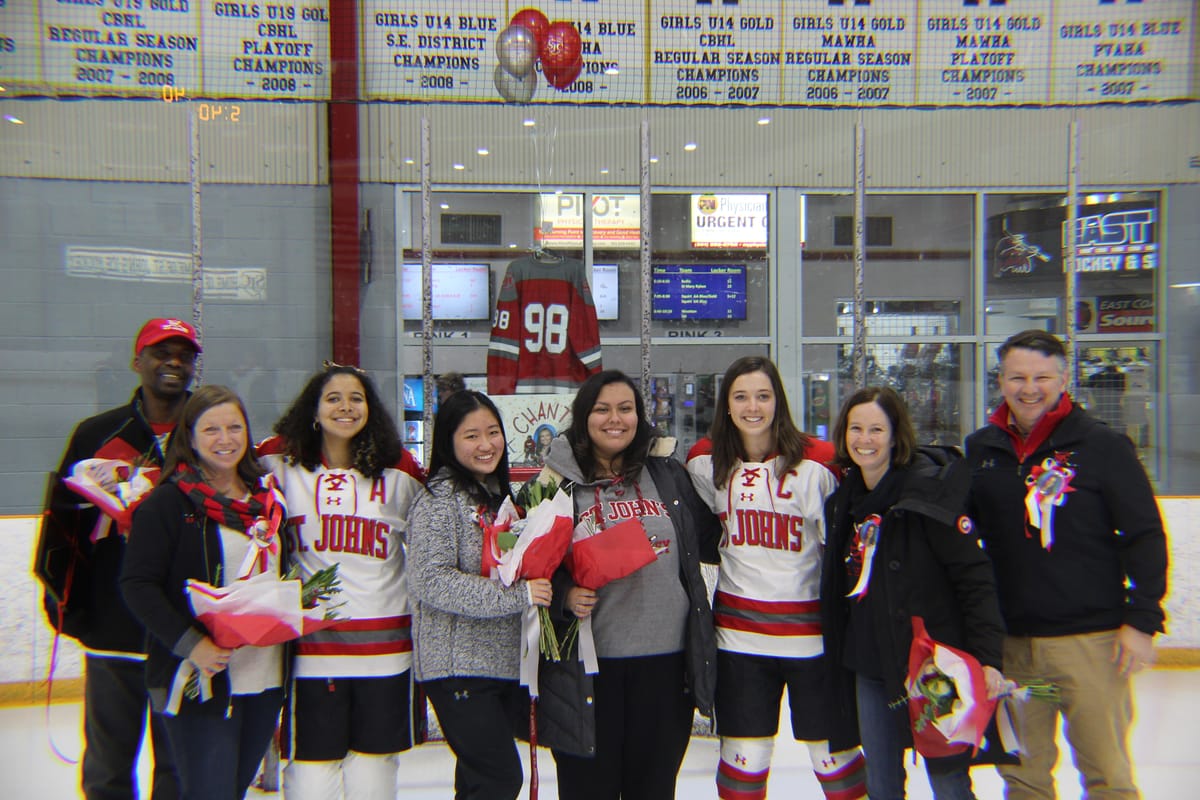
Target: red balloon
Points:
(562, 47)
(533, 20)
(560, 77)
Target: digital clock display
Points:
(217, 112)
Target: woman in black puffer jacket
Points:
(899, 542)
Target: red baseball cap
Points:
(159, 330)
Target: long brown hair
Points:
(180, 449)
(727, 448)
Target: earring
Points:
(316, 425)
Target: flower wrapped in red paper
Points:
(598, 556)
(114, 486)
(257, 611)
(948, 701)
(529, 548)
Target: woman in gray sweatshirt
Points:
(466, 626)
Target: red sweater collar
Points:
(1002, 419)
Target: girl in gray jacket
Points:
(466, 626)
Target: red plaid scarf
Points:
(240, 515)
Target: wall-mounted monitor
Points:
(460, 291)
(605, 293)
(698, 291)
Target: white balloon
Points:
(514, 88)
(517, 49)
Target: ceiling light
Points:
(689, 147)
(14, 120)
(445, 206)
(764, 120)
(529, 123)
(604, 170)
(459, 166)
(653, 159)
(409, 161)
(483, 151)
(613, 70)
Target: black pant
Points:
(114, 721)
(643, 726)
(479, 718)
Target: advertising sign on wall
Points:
(729, 220)
(1125, 313)
(1117, 237)
(616, 221)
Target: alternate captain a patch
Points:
(965, 525)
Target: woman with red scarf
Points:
(215, 516)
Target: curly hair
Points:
(727, 448)
(633, 458)
(373, 449)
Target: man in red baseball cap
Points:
(80, 562)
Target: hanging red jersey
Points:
(546, 337)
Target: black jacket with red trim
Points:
(93, 610)
(1107, 565)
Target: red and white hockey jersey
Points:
(546, 337)
(768, 588)
(339, 516)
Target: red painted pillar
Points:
(343, 179)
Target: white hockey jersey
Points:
(339, 516)
(768, 589)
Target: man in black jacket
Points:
(1069, 519)
(81, 562)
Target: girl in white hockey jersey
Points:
(348, 482)
(768, 483)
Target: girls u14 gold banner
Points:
(869, 53)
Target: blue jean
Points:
(218, 755)
(883, 746)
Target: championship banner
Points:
(869, 53)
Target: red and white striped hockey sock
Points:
(744, 767)
(842, 775)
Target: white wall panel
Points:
(270, 143)
(598, 146)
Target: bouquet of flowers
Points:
(530, 547)
(598, 556)
(259, 611)
(116, 487)
(948, 701)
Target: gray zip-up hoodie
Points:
(644, 613)
(464, 625)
